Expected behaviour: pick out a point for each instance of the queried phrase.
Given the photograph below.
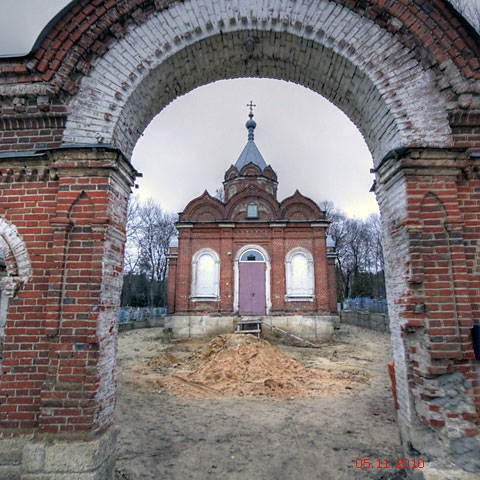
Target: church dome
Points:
(250, 153)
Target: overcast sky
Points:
(188, 147)
(22, 21)
(309, 142)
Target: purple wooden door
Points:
(252, 288)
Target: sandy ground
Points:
(162, 436)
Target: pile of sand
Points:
(238, 365)
(162, 361)
(221, 343)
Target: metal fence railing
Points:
(365, 304)
(137, 314)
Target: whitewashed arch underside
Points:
(360, 67)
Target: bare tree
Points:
(156, 230)
(338, 230)
(220, 194)
(149, 233)
(374, 227)
(132, 231)
(329, 208)
(359, 250)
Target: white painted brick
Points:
(407, 108)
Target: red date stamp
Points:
(385, 463)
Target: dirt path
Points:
(165, 437)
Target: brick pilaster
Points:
(429, 206)
(62, 380)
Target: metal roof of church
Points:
(250, 153)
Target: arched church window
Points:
(299, 275)
(205, 275)
(252, 256)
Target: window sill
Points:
(299, 298)
(205, 299)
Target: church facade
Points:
(251, 255)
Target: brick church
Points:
(251, 255)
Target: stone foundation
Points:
(433, 472)
(311, 327)
(446, 457)
(11, 453)
(46, 459)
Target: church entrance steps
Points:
(249, 325)
(254, 327)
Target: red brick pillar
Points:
(321, 274)
(277, 275)
(184, 269)
(332, 282)
(58, 377)
(429, 203)
(172, 279)
(226, 268)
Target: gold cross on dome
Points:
(251, 105)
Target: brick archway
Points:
(160, 71)
(407, 73)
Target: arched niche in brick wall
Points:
(299, 275)
(15, 269)
(16, 259)
(205, 275)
